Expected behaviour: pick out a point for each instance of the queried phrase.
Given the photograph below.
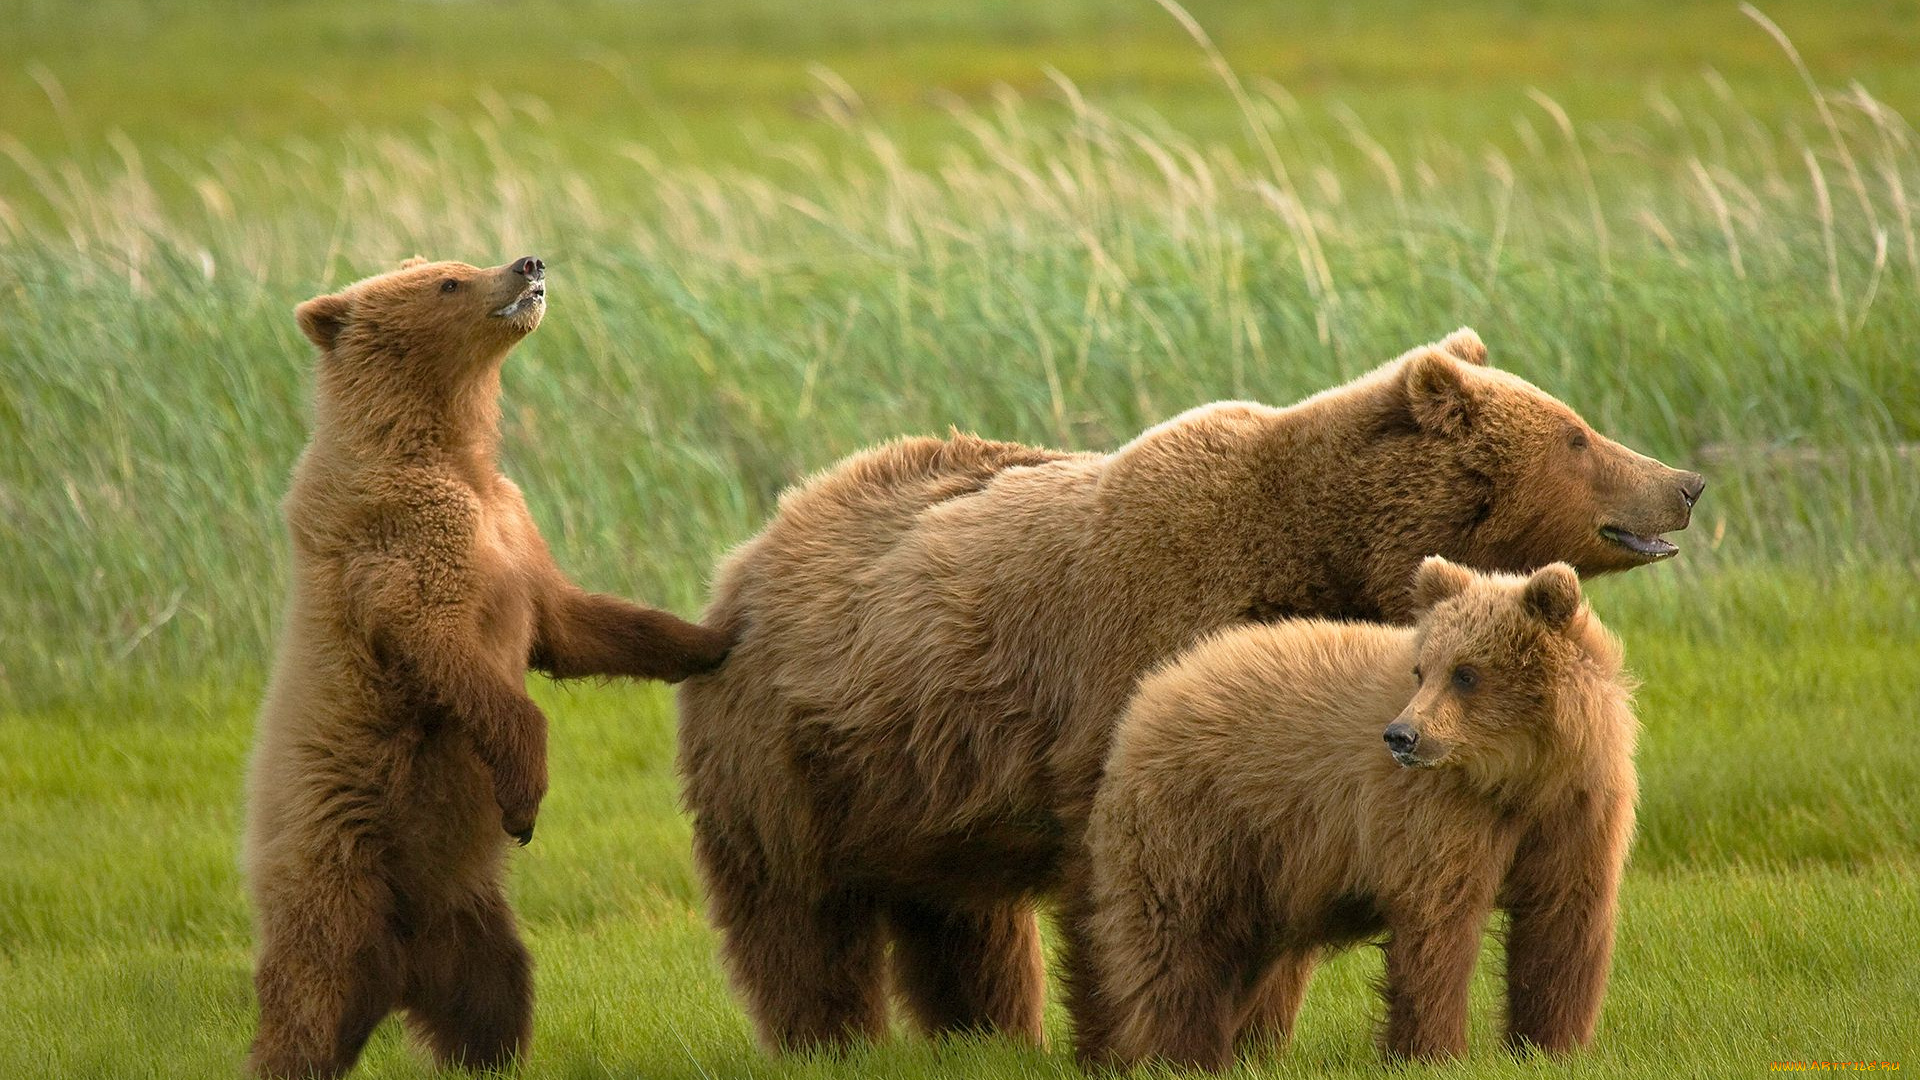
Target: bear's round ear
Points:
(1464, 344)
(322, 319)
(1438, 580)
(1437, 392)
(1552, 595)
(417, 260)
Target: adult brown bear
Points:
(937, 636)
(398, 749)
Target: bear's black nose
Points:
(1401, 738)
(530, 268)
(1691, 485)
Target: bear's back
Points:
(1271, 699)
(833, 527)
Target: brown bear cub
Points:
(937, 637)
(398, 750)
(1250, 819)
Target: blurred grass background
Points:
(777, 233)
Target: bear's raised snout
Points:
(526, 297)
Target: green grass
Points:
(174, 73)
(779, 232)
(1769, 912)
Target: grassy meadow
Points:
(776, 233)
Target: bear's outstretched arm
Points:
(581, 633)
(419, 624)
(1560, 899)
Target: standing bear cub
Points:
(1250, 819)
(937, 637)
(398, 749)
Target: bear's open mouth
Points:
(1410, 761)
(535, 295)
(1650, 547)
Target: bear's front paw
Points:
(519, 804)
(703, 650)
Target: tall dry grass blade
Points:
(1502, 171)
(57, 99)
(1854, 178)
(1389, 171)
(1056, 391)
(1873, 279)
(1602, 238)
(1658, 228)
(1293, 210)
(1721, 214)
(1893, 145)
(1823, 203)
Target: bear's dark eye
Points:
(449, 285)
(1465, 679)
(1416, 675)
(1578, 440)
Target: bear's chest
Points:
(502, 581)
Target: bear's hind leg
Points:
(971, 970)
(330, 970)
(469, 992)
(1181, 1015)
(808, 961)
(1079, 976)
(1268, 1019)
(1149, 981)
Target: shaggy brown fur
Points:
(1250, 819)
(938, 635)
(398, 749)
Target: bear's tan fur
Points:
(398, 748)
(1250, 819)
(938, 635)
